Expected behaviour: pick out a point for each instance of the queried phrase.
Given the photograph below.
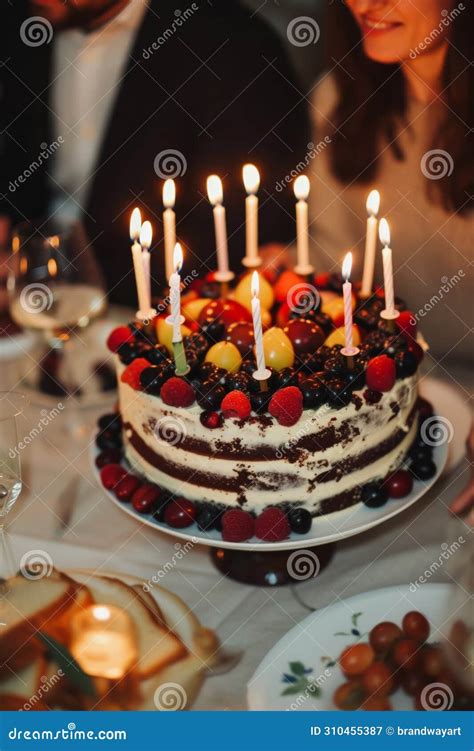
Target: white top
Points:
(87, 72)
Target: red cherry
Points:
(241, 334)
(126, 487)
(304, 335)
(211, 420)
(416, 350)
(145, 497)
(111, 474)
(226, 311)
(399, 484)
(380, 373)
(406, 322)
(322, 280)
(180, 513)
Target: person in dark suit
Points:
(119, 95)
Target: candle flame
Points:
(101, 612)
(135, 224)
(347, 266)
(301, 188)
(373, 203)
(169, 193)
(146, 234)
(177, 257)
(255, 286)
(251, 178)
(214, 189)
(384, 232)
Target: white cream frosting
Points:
(280, 478)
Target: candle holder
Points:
(181, 364)
(224, 277)
(306, 270)
(390, 316)
(350, 353)
(262, 377)
(251, 263)
(145, 317)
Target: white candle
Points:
(384, 234)
(214, 191)
(135, 226)
(175, 292)
(262, 372)
(347, 293)
(301, 189)
(373, 205)
(146, 234)
(251, 179)
(169, 224)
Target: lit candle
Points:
(301, 189)
(262, 373)
(103, 641)
(175, 319)
(349, 349)
(135, 226)
(373, 205)
(146, 234)
(251, 179)
(215, 194)
(169, 224)
(384, 233)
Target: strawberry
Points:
(380, 373)
(406, 322)
(119, 336)
(286, 405)
(131, 374)
(236, 404)
(237, 525)
(177, 392)
(272, 525)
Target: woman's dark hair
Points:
(372, 103)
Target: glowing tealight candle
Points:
(135, 226)
(169, 224)
(373, 205)
(175, 319)
(103, 641)
(301, 189)
(349, 349)
(216, 197)
(262, 373)
(146, 235)
(384, 233)
(251, 179)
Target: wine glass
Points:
(56, 288)
(12, 405)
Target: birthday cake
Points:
(324, 431)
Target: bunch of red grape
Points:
(393, 658)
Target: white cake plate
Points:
(340, 524)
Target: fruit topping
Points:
(272, 525)
(211, 419)
(131, 374)
(286, 405)
(236, 404)
(177, 392)
(237, 525)
(119, 336)
(380, 373)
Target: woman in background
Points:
(397, 105)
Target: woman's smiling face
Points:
(395, 30)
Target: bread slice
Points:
(29, 606)
(157, 645)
